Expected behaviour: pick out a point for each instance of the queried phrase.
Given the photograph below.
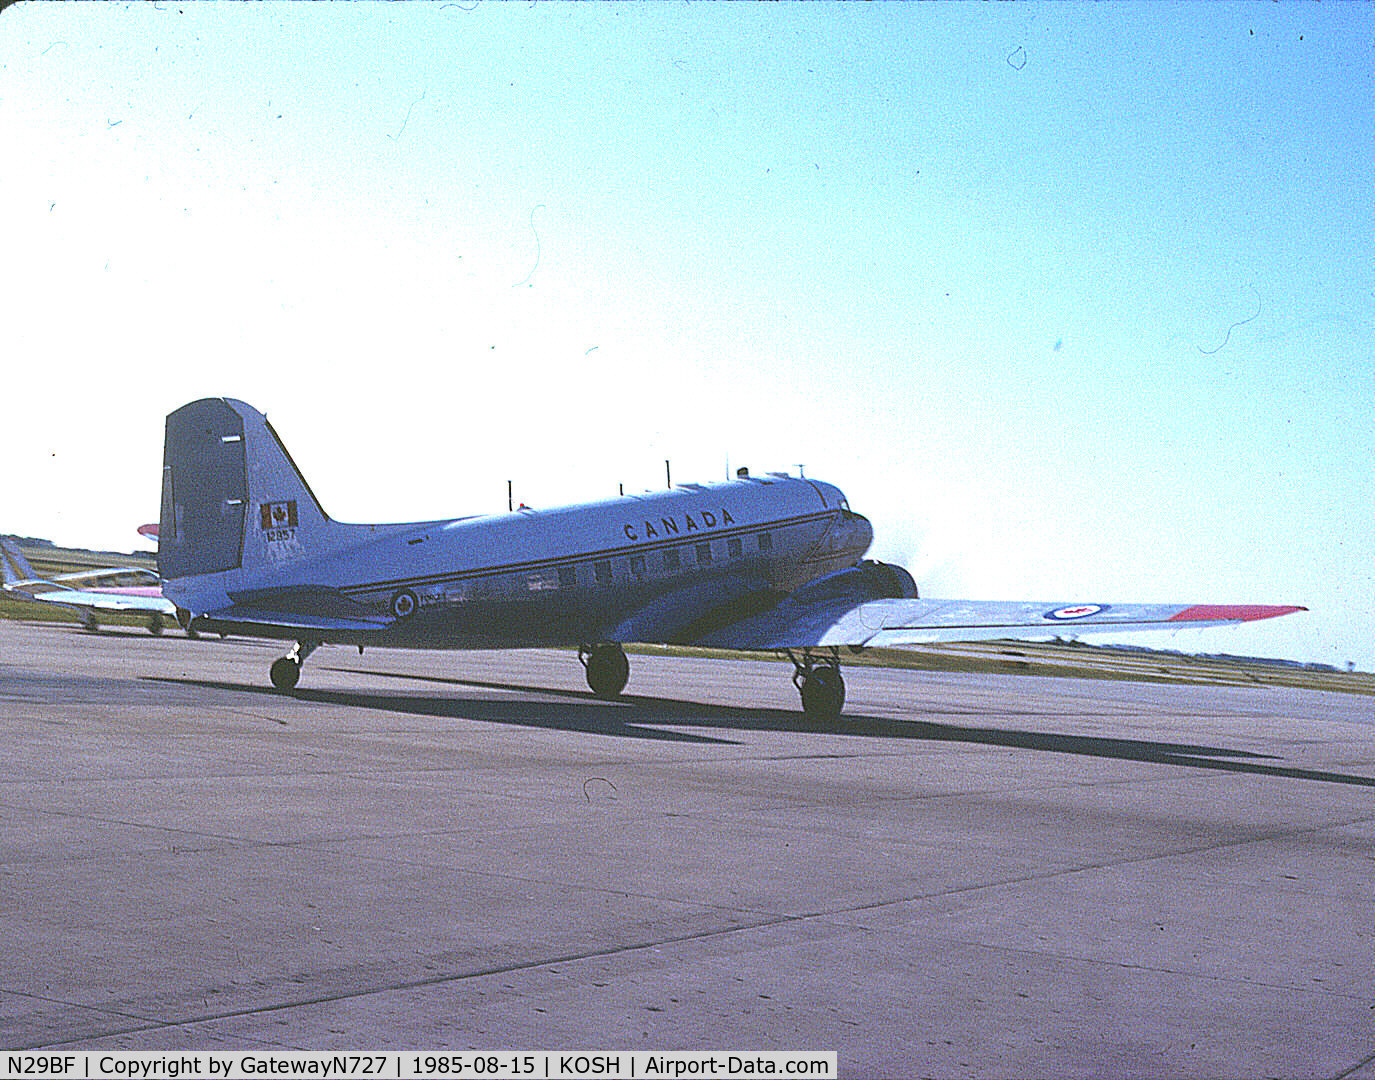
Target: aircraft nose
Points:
(852, 533)
(865, 533)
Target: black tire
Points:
(608, 671)
(155, 624)
(823, 694)
(285, 673)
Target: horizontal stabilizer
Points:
(270, 623)
(309, 602)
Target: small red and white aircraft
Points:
(758, 563)
(126, 590)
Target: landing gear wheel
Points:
(91, 623)
(286, 673)
(155, 624)
(818, 681)
(823, 694)
(608, 670)
(286, 670)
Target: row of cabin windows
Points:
(672, 560)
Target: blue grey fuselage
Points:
(661, 567)
(244, 546)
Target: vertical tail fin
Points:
(13, 565)
(233, 502)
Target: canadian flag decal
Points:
(278, 515)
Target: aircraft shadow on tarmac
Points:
(636, 716)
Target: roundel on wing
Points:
(1076, 611)
(404, 603)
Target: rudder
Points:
(204, 490)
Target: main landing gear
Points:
(286, 670)
(607, 669)
(818, 680)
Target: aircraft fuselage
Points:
(653, 567)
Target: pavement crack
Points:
(410, 984)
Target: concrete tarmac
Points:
(967, 876)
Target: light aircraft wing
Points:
(894, 622)
(105, 601)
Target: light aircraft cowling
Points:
(771, 563)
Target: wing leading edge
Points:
(892, 622)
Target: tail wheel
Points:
(608, 670)
(285, 673)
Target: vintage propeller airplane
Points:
(769, 563)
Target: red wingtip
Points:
(1234, 612)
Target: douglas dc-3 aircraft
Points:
(760, 563)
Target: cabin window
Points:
(637, 567)
(703, 553)
(671, 561)
(540, 580)
(765, 542)
(601, 570)
(567, 577)
(734, 548)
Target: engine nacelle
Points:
(867, 580)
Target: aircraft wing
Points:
(894, 622)
(103, 601)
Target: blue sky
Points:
(1075, 302)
